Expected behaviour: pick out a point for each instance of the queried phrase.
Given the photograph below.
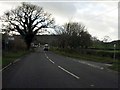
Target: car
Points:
(46, 47)
(35, 45)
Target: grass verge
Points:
(9, 57)
(115, 63)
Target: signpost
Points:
(114, 51)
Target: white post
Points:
(114, 51)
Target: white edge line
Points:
(91, 65)
(9, 65)
(69, 72)
(16, 60)
(6, 67)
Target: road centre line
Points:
(51, 61)
(47, 57)
(69, 72)
(62, 68)
(45, 54)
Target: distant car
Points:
(46, 47)
(35, 45)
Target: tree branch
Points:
(44, 26)
(37, 24)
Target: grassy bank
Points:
(9, 57)
(77, 55)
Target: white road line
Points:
(51, 61)
(69, 72)
(5, 67)
(92, 65)
(9, 64)
(45, 54)
(16, 60)
(62, 68)
(108, 64)
(47, 57)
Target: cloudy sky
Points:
(100, 17)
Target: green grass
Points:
(115, 66)
(111, 51)
(9, 57)
(94, 58)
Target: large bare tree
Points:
(27, 20)
(73, 35)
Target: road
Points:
(44, 69)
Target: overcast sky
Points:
(100, 17)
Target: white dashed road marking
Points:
(62, 68)
(51, 61)
(69, 72)
(49, 58)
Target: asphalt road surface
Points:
(44, 69)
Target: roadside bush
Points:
(20, 46)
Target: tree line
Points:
(29, 20)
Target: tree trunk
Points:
(28, 46)
(28, 40)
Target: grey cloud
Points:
(62, 9)
(87, 12)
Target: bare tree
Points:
(106, 39)
(74, 35)
(27, 20)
